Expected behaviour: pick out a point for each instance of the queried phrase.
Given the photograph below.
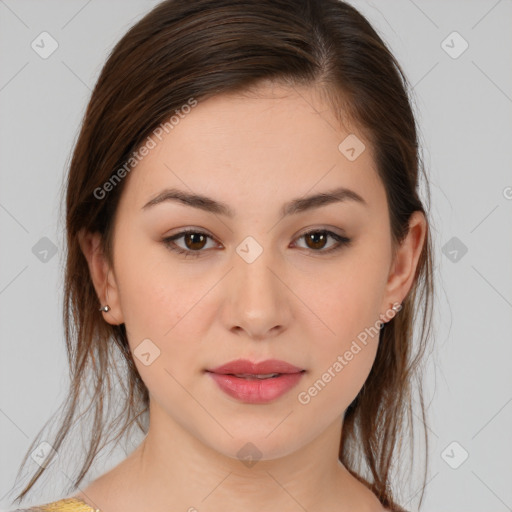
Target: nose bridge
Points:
(256, 296)
(253, 268)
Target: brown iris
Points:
(198, 241)
(318, 238)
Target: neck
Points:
(173, 470)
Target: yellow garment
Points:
(63, 505)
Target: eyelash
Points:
(169, 242)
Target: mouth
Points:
(256, 383)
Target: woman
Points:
(245, 234)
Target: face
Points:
(251, 282)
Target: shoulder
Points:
(71, 504)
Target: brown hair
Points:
(185, 49)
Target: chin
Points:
(252, 444)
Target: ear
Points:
(403, 267)
(102, 276)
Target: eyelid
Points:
(324, 228)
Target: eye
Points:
(316, 240)
(196, 240)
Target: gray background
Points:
(464, 108)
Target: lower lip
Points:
(256, 391)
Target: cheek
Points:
(160, 308)
(156, 299)
(343, 356)
(347, 298)
(347, 330)
(153, 293)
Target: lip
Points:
(256, 391)
(261, 368)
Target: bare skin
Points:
(294, 302)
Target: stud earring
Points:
(105, 309)
(396, 307)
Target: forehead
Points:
(274, 142)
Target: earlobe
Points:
(102, 277)
(403, 268)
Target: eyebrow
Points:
(299, 205)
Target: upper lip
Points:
(252, 368)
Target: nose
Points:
(257, 298)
